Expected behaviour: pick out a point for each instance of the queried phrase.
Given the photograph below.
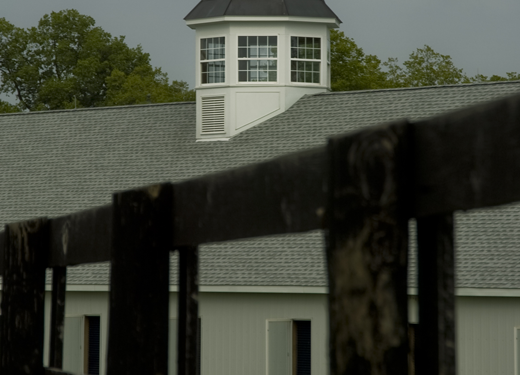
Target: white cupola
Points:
(256, 58)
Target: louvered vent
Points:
(213, 115)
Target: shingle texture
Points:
(299, 8)
(58, 162)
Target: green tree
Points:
(6, 107)
(424, 67)
(351, 68)
(66, 62)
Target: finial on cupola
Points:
(254, 59)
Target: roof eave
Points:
(330, 22)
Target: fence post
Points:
(59, 284)
(23, 297)
(188, 323)
(139, 281)
(367, 252)
(436, 333)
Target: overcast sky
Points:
(480, 35)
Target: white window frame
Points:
(206, 60)
(258, 58)
(305, 61)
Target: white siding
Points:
(234, 329)
(485, 335)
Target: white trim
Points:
(259, 289)
(460, 292)
(333, 22)
(478, 292)
(516, 332)
(211, 139)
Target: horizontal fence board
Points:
(55, 371)
(461, 160)
(283, 195)
(468, 159)
(83, 237)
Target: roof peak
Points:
(297, 8)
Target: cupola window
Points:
(305, 59)
(212, 60)
(257, 58)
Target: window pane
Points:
(211, 55)
(272, 64)
(294, 77)
(262, 41)
(242, 41)
(316, 67)
(317, 42)
(317, 54)
(252, 40)
(309, 53)
(263, 64)
(273, 41)
(253, 64)
(301, 77)
(210, 43)
(293, 65)
(253, 51)
(301, 65)
(242, 76)
(273, 52)
(301, 42)
(242, 52)
(263, 52)
(294, 41)
(262, 76)
(253, 77)
(272, 76)
(308, 77)
(204, 67)
(222, 42)
(301, 53)
(294, 53)
(316, 77)
(242, 65)
(203, 44)
(203, 55)
(309, 42)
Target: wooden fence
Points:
(362, 188)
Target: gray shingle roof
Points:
(54, 163)
(299, 8)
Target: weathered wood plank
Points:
(367, 252)
(188, 311)
(283, 195)
(82, 237)
(468, 159)
(23, 289)
(139, 281)
(59, 284)
(55, 371)
(436, 334)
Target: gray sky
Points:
(480, 35)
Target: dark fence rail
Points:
(362, 188)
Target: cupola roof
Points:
(297, 8)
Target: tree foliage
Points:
(352, 69)
(67, 62)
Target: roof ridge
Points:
(95, 108)
(456, 85)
